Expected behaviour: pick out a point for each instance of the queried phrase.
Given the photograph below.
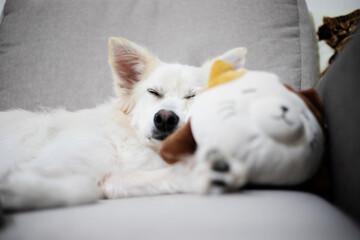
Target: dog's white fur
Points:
(60, 158)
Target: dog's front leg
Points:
(169, 180)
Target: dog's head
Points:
(155, 96)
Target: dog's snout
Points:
(166, 120)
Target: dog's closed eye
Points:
(155, 93)
(190, 96)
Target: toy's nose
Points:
(278, 119)
(166, 121)
(284, 108)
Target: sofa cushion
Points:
(54, 53)
(246, 215)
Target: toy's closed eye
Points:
(248, 90)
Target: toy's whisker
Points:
(227, 102)
(227, 108)
(229, 115)
(227, 112)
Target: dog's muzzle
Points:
(165, 122)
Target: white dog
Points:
(60, 158)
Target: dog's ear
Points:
(129, 63)
(236, 57)
(178, 144)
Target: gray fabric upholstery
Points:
(251, 215)
(309, 62)
(2, 3)
(339, 91)
(54, 53)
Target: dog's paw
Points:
(218, 173)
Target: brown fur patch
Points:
(179, 144)
(312, 100)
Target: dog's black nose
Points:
(166, 121)
(221, 166)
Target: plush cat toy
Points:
(251, 128)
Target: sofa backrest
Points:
(54, 53)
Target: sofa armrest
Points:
(339, 91)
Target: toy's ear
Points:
(312, 100)
(236, 57)
(223, 72)
(178, 144)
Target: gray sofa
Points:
(54, 54)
